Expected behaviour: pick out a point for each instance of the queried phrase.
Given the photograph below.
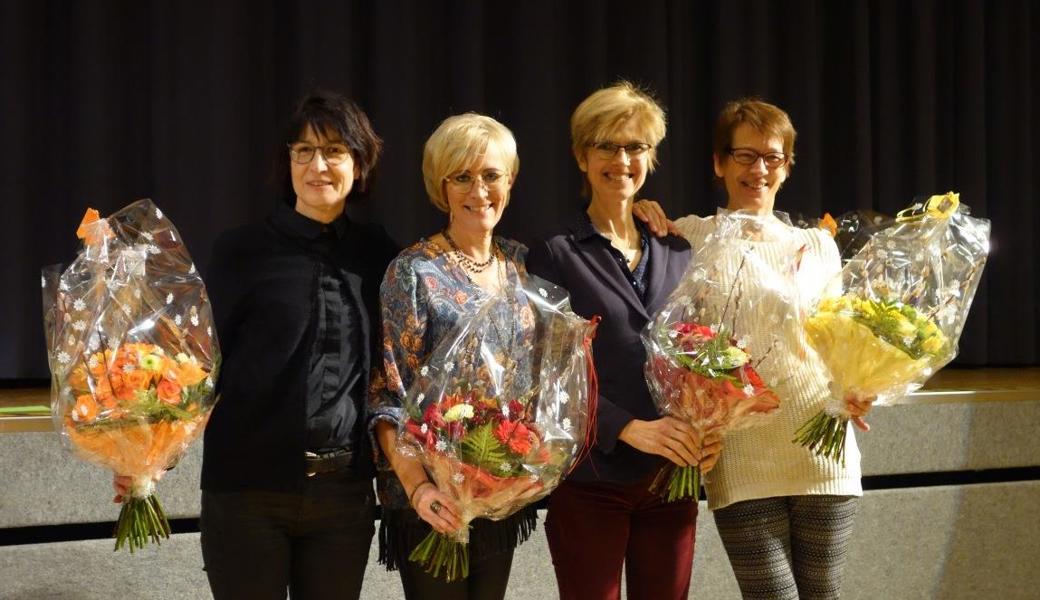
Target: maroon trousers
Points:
(596, 528)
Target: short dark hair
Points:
(329, 112)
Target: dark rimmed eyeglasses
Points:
(747, 156)
(334, 154)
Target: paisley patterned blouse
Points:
(424, 296)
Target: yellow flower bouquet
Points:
(906, 296)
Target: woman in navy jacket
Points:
(603, 515)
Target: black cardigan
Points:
(261, 281)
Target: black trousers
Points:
(313, 544)
(488, 578)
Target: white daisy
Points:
(749, 390)
(194, 318)
(458, 478)
(504, 467)
(449, 366)
(177, 319)
(79, 304)
(564, 397)
(92, 362)
(441, 446)
(505, 410)
(63, 357)
(566, 423)
(424, 371)
(79, 325)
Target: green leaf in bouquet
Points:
(482, 449)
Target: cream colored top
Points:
(763, 462)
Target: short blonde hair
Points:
(608, 109)
(456, 143)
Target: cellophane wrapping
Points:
(713, 351)
(501, 410)
(905, 297)
(133, 356)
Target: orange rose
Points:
(86, 409)
(168, 392)
(78, 379)
(188, 373)
(138, 379)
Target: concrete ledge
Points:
(45, 485)
(954, 543)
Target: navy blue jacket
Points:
(598, 286)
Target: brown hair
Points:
(768, 119)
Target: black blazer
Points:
(598, 286)
(262, 284)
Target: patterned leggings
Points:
(789, 547)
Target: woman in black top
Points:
(287, 500)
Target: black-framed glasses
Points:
(463, 182)
(303, 153)
(608, 150)
(747, 156)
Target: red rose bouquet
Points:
(500, 412)
(734, 311)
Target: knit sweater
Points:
(763, 462)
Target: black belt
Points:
(329, 461)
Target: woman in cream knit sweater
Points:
(784, 514)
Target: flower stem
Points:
(824, 435)
(439, 552)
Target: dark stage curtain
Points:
(102, 103)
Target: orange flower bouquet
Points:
(133, 356)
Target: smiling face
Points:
(751, 187)
(321, 189)
(478, 209)
(616, 179)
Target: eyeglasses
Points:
(334, 154)
(608, 150)
(747, 156)
(463, 182)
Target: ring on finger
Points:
(435, 506)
